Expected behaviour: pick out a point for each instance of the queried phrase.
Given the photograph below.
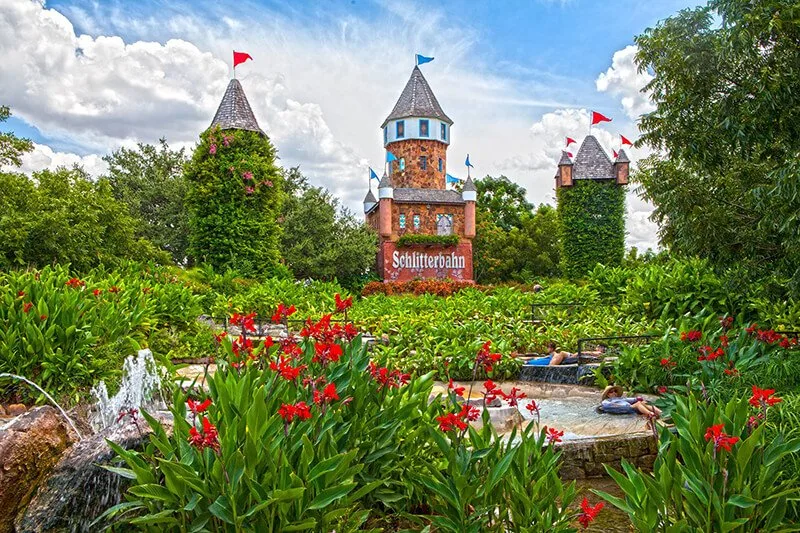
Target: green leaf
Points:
(328, 496)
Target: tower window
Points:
(444, 132)
(402, 222)
(444, 224)
(386, 135)
(402, 164)
(401, 129)
(423, 162)
(423, 128)
(441, 165)
(416, 221)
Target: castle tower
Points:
(425, 229)
(591, 207)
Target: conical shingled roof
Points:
(370, 198)
(417, 100)
(565, 160)
(622, 157)
(386, 182)
(234, 111)
(592, 162)
(469, 185)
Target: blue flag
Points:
(421, 60)
(467, 162)
(372, 175)
(451, 179)
(390, 157)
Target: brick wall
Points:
(427, 215)
(389, 272)
(413, 176)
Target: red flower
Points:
(459, 391)
(97, 292)
(289, 412)
(710, 354)
(451, 421)
(42, 317)
(752, 329)
(731, 370)
(247, 322)
(341, 305)
(196, 407)
(486, 359)
(491, 391)
(291, 348)
(20, 294)
(553, 435)
(350, 332)
(127, 412)
(283, 312)
(513, 396)
(532, 407)
(720, 438)
(26, 307)
(220, 336)
(327, 352)
(302, 410)
(667, 363)
(285, 369)
(75, 283)
(386, 378)
(662, 389)
(692, 335)
(207, 438)
(469, 412)
(764, 397)
(114, 289)
(328, 394)
(726, 322)
(723, 340)
(589, 513)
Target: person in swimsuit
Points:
(613, 402)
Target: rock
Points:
(15, 409)
(2, 411)
(77, 491)
(29, 447)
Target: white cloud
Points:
(624, 81)
(43, 157)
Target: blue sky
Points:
(86, 77)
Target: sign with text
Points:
(425, 262)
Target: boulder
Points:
(30, 445)
(15, 409)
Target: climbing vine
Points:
(235, 193)
(592, 222)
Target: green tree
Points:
(320, 240)
(503, 200)
(64, 217)
(149, 180)
(726, 183)
(11, 146)
(235, 193)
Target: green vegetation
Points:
(411, 239)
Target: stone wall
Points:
(586, 457)
(413, 176)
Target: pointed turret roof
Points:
(370, 198)
(234, 111)
(469, 185)
(622, 157)
(565, 160)
(592, 162)
(417, 100)
(386, 182)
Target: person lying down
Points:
(555, 357)
(613, 402)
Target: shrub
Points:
(419, 239)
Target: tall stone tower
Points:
(591, 207)
(413, 198)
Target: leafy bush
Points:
(412, 239)
(438, 287)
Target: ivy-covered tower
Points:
(235, 192)
(591, 207)
(425, 229)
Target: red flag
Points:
(616, 155)
(598, 118)
(625, 141)
(240, 57)
(569, 154)
(570, 140)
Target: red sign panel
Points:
(425, 262)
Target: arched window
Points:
(402, 164)
(423, 127)
(423, 162)
(444, 132)
(441, 165)
(401, 129)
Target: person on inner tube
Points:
(613, 402)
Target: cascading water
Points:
(139, 389)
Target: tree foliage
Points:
(149, 180)
(592, 221)
(11, 146)
(727, 128)
(320, 240)
(63, 217)
(513, 242)
(234, 195)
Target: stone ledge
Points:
(586, 457)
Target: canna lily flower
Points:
(327, 352)
(285, 369)
(26, 307)
(553, 435)
(589, 512)
(97, 292)
(459, 391)
(720, 438)
(207, 438)
(20, 294)
(289, 412)
(486, 359)
(532, 407)
(662, 389)
(327, 395)
(283, 312)
(667, 363)
(764, 398)
(247, 322)
(342, 305)
(451, 421)
(75, 283)
(469, 412)
(197, 407)
(513, 396)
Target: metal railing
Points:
(608, 340)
